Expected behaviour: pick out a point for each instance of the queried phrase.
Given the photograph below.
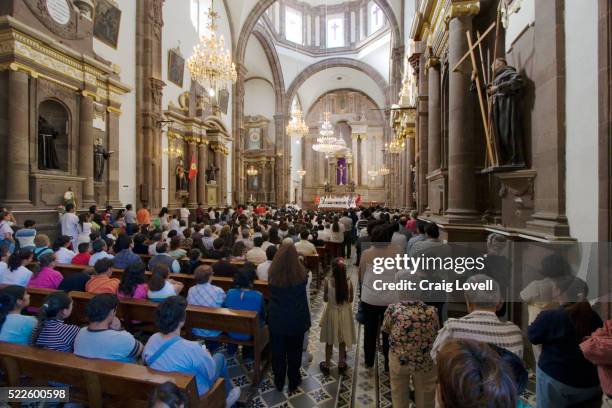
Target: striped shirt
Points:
(481, 326)
(57, 335)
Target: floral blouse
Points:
(412, 327)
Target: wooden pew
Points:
(226, 320)
(187, 280)
(99, 383)
(312, 262)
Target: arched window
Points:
(293, 25)
(376, 18)
(335, 31)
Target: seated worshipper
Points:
(417, 237)
(160, 287)
(481, 324)
(316, 241)
(256, 254)
(103, 338)
(76, 281)
(82, 258)
(187, 242)
(204, 293)
(412, 327)
(398, 237)
(262, 269)
(304, 247)
(250, 269)
(51, 332)
(238, 251)
(176, 251)
(139, 245)
(246, 238)
(597, 348)
(123, 252)
(195, 260)
(133, 284)
(168, 395)
(157, 239)
(243, 297)
(42, 246)
(162, 258)
(14, 326)
(102, 281)
(25, 236)
(46, 277)
(16, 272)
(337, 324)
(219, 250)
(168, 351)
(174, 224)
(472, 375)
(225, 268)
(63, 255)
(564, 377)
(292, 234)
(99, 250)
(208, 239)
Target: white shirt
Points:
(185, 213)
(20, 276)
(153, 248)
(64, 256)
(262, 270)
(99, 255)
(174, 225)
(70, 223)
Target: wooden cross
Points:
(491, 151)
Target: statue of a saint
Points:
(181, 180)
(47, 155)
(211, 173)
(100, 157)
(505, 92)
(70, 197)
(351, 186)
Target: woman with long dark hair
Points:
(563, 376)
(288, 317)
(17, 273)
(133, 284)
(337, 323)
(51, 332)
(15, 327)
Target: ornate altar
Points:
(259, 161)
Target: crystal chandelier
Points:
(172, 151)
(211, 64)
(301, 173)
(252, 171)
(384, 171)
(327, 143)
(395, 147)
(297, 126)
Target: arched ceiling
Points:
(338, 78)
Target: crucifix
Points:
(375, 11)
(334, 28)
(491, 150)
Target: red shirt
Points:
(81, 259)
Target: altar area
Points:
(338, 202)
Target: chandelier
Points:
(252, 171)
(297, 126)
(384, 171)
(373, 173)
(211, 64)
(395, 147)
(301, 173)
(172, 151)
(327, 143)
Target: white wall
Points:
(519, 20)
(581, 118)
(125, 57)
(259, 100)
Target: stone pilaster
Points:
(410, 179)
(434, 114)
(423, 135)
(86, 146)
(238, 134)
(193, 183)
(113, 161)
(201, 179)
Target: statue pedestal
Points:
(212, 195)
(517, 197)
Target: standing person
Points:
(70, 224)
(185, 213)
(597, 348)
(564, 377)
(199, 214)
(129, 218)
(15, 327)
(84, 230)
(25, 236)
(288, 317)
(411, 224)
(347, 223)
(17, 273)
(143, 216)
(337, 323)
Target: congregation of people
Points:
(477, 360)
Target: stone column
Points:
(201, 179)
(272, 182)
(192, 183)
(410, 178)
(461, 177)
(238, 132)
(113, 161)
(86, 146)
(17, 163)
(356, 161)
(423, 134)
(433, 141)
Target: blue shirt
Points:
(18, 329)
(245, 299)
(207, 295)
(106, 344)
(184, 356)
(125, 258)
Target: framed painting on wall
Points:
(176, 67)
(107, 22)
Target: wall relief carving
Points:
(69, 31)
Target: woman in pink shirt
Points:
(133, 284)
(46, 277)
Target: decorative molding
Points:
(69, 31)
(462, 8)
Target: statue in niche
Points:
(351, 186)
(211, 173)
(47, 154)
(181, 180)
(505, 92)
(100, 158)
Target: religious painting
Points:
(176, 67)
(223, 99)
(107, 22)
(253, 183)
(254, 141)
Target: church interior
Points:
(474, 124)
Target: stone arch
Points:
(368, 97)
(333, 63)
(277, 73)
(262, 6)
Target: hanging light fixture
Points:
(395, 147)
(373, 173)
(301, 173)
(384, 171)
(326, 142)
(252, 171)
(211, 64)
(174, 149)
(297, 126)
